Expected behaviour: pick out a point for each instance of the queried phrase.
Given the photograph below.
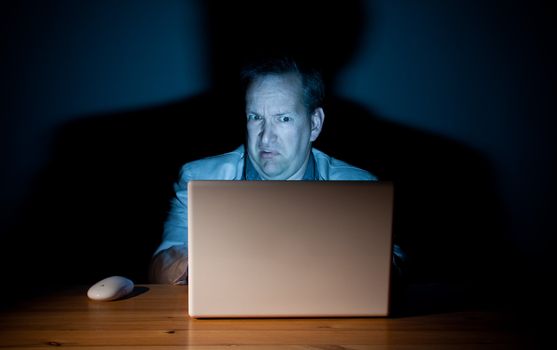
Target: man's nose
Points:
(267, 133)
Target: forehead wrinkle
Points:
(274, 95)
(272, 109)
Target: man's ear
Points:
(317, 119)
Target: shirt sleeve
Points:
(175, 230)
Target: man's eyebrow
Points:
(281, 114)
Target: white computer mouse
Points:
(110, 288)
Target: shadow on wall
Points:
(100, 204)
(448, 217)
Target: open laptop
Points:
(289, 248)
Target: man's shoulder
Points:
(227, 166)
(335, 169)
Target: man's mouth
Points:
(267, 154)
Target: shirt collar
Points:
(251, 174)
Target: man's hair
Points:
(312, 81)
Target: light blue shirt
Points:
(231, 166)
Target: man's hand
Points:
(170, 266)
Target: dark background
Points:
(452, 101)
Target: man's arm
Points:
(170, 266)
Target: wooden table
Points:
(156, 318)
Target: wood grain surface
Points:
(155, 317)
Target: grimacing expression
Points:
(280, 130)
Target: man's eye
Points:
(253, 117)
(285, 119)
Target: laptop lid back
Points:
(289, 248)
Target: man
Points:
(283, 105)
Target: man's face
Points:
(279, 128)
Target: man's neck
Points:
(299, 175)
